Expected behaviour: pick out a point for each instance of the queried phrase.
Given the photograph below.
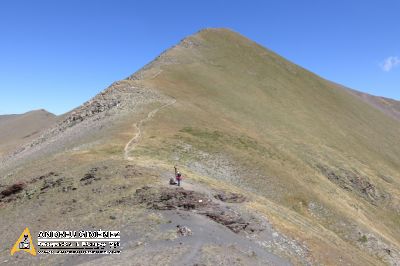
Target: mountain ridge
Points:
(387, 105)
(317, 163)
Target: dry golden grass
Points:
(272, 117)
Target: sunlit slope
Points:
(225, 82)
(314, 160)
(248, 116)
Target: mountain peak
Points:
(204, 46)
(217, 30)
(40, 111)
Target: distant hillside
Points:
(388, 106)
(18, 129)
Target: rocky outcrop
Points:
(12, 189)
(354, 181)
(93, 107)
(181, 199)
(230, 197)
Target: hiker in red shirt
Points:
(178, 176)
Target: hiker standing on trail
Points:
(178, 176)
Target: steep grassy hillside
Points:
(249, 117)
(316, 166)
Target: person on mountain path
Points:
(178, 176)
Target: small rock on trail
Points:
(183, 230)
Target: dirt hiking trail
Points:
(132, 143)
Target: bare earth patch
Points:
(181, 199)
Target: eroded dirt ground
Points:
(160, 224)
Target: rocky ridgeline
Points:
(94, 107)
(121, 98)
(102, 104)
(167, 57)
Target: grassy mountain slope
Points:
(288, 134)
(317, 163)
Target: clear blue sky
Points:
(57, 54)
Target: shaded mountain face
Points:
(16, 130)
(316, 163)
